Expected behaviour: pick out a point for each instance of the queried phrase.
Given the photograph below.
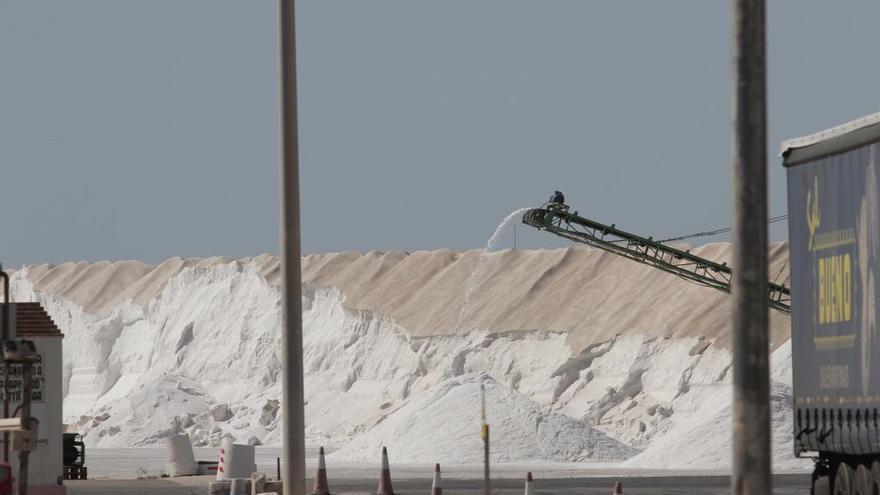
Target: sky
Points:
(149, 129)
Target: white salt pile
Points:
(704, 439)
(443, 423)
(586, 356)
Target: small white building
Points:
(30, 321)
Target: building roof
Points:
(31, 320)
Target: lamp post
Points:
(293, 442)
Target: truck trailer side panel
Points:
(834, 234)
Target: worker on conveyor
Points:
(556, 199)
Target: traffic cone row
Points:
(530, 487)
(323, 488)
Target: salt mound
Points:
(157, 408)
(704, 440)
(590, 356)
(442, 424)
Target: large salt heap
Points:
(585, 355)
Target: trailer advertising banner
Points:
(834, 234)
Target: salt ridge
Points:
(199, 356)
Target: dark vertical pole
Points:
(293, 443)
(27, 387)
(6, 329)
(751, 373)
(484, 432)
(487, 484)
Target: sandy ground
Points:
(150, 462)
(127, 464)
(655, 485)
(112, 470)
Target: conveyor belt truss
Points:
(557, 219)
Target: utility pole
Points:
(484, 432)
(293, 422)
(751, 373)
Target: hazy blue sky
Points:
(148, 129)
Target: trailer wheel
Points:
(844, 481)
(864, 482)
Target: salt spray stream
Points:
(479, 272)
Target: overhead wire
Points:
(717, 231)
(784, 266)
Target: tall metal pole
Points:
(293, 443)
(7, 327)
(484, 432)
(751, 373)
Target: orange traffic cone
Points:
(321, 486)
(385, 476)
(436, 487)
(618, 488)
(530, 489)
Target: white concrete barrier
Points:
(236, 461)
(181, 460)
(238, 487)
